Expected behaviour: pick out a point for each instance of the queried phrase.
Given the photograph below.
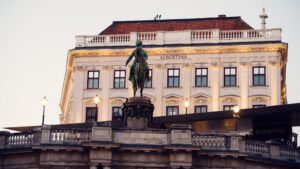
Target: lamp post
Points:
(96, 101)
(186, 104)
(44, 103)
(236, 111)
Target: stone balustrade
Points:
(226, 142)
(179, 37)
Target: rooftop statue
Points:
(139, 71)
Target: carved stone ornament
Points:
(79, 68)
(215, 63)
(107, 68)
(229, 100)
(273, 60)
(159, 66)
(260, 100)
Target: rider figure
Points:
(138, 53)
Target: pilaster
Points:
(78, 113)
(215, 85)
(106, 73)
(275, 85)
(158, 85)
(186, 83)
(244, 84)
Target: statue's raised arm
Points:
(139, 71)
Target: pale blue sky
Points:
(35, 36)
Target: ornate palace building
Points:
(214, 63)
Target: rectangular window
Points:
(91, 114)
(229, 76)
(148, 84)
(259, 76)
(93, 79)
(228, 107)
(201, 77)
(173, 77)
(258, 106)
(172, 110)
(200, 109)
(119, 78)
(116, 113)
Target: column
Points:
(78, 115)
(158, 84)
(215, 85)
(275, 83)
(106, 73)
(244, 84)
(186, 84)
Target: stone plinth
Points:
(137, 113)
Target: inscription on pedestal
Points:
(140, 138)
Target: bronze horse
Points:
(139, 71)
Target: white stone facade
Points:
(269, 53)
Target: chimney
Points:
(222, 16)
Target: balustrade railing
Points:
(180, 37)
(207, 141)
(289, 152)
(70, 136)
(19, 140)
(257, 147)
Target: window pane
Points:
(197, 110)
(204, 81)
(262, 70)
(227, 71)
(96, 74)
(226, 108)
(122, 83)
(198, 72)
(169, 111)
(95, 83)
(262, 80)
(232, 71)
(232, 81)
(90, 74)
(175, 111)
(90, 83)
(198, 81)
(203, 110)
(255, 70)
(255, 80)
(122, 73)
(176, 72)
(227, 82)
(117, 83)
(117, 74)
(171, 72)
(176, 81)
(170, 82)
(204, 71)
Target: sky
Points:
(35, 36)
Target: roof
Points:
(222, 23)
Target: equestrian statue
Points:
(139, 71)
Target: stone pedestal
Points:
(137, 113)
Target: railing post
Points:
(45, 134)
(234, 143)
(133, 37)
(79, 41)
(3, 139)
(242, 145)
(159, 37)
(216, 35)
(102, 134)
(181, 134)
(274, 151)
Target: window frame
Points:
(200, 106)
(259, 74)
(150, 73)
(168, 83)
(114, 84)
(86, 114)
(172, 110)
(230, 107)
(201, 76)
(258, 106)
(93, 78)
(230, 76)
(116, 117)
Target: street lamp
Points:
(44, 103)
(96, 101)
(236, 111)
(186, 103)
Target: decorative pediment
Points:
(172, 98)
(117, 100)
(90, 101)
(259, 99)
(230, 99)
(149, 97)
(200, 98)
